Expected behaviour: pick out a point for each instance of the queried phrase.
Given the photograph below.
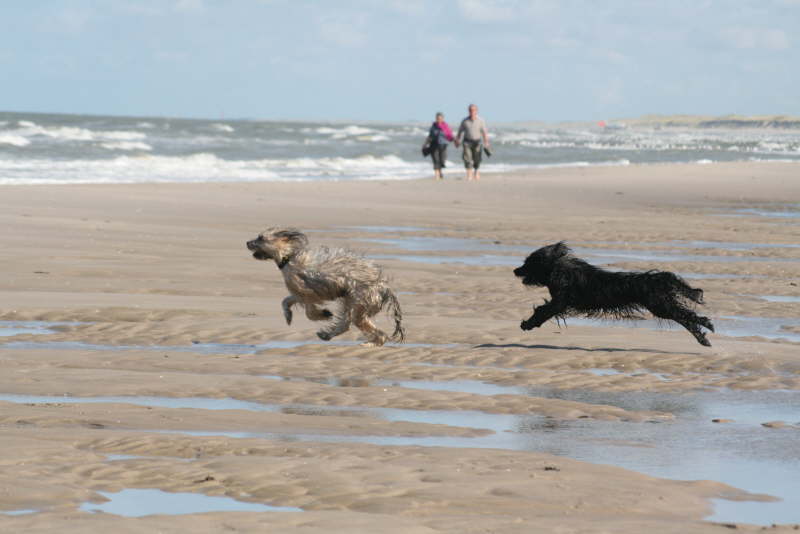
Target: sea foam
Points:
(126, 145)
(203, 167)
(14, 140)
(29, 129)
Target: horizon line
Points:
(654, 117)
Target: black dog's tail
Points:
(393, 307)
(679, 286)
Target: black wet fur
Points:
(578, 288)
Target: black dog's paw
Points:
(701, 337)
(327, 313)
(525, 325)
(323, 335)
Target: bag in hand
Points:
(426, 149)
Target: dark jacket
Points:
(438, 136)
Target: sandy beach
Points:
(143, 299)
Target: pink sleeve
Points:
(448, 133)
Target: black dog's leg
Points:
(694, 328)
(705, 321)
(687, 319)
(542, 314)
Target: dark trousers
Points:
(439, 156)
(472, 154)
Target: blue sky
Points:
(399, 60)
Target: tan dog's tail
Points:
(393, 307)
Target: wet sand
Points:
(144, 300)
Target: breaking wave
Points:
(15, 140)
(204, 167)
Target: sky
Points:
(396, 60)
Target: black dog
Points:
(577, 288)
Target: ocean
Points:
(62, 149)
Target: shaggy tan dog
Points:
(319, 275)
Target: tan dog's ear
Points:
(293, 237)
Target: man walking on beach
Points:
(474, 135)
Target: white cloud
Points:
(612, 56)
(68, 20)
(346, 31)
(608, 93)
(564, 42)
(776, 40)
(137, 8)
(189, 5)
(410, 7)
(160, 8)
(489, 10)
(171, 56)
(754, 38)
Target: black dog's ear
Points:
(560, 249)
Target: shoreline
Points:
(455, 169)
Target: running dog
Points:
(578, 288)
(319, 275)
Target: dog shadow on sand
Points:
(582, 349)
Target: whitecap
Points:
(121, 135)
(68, 133)
(73, 133)
(222, 127)
(126, 145)
(339, 133)
(546, 144)
(14, 140)
(373, 138)
(412, 131)
(205, 167)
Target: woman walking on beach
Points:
(439, 135)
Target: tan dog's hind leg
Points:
(317, 314)
(340, 325)
(286, 305)
(375, 336)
